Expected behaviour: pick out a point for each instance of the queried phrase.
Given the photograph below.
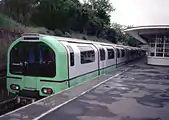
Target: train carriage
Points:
(41, 65)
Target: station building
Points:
(157, 39)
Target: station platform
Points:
(135, 91)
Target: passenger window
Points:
(166, 52)
(151, 54)
(118, 53)
(110, 53)
(159, 54)
(102, 54)
(72, 63)
(87, 54)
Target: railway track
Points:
(7, 102)
(3, 90)
(2, 77)
(2, 74)
(7, 105)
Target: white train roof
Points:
(66, 39)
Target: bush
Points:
(5, 42)
(84, 38)
(57, 32)
(6, 22)
(67, 35)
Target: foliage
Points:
(6, 22)
(19, 10)
(123, 38)
(89, 18)
(59, 17)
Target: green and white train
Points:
(41, 65)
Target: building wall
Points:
(158, 51)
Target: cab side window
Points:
(71, 54)
(118, 53)
(102, 54)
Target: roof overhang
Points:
(137, 32)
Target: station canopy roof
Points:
(145, 33)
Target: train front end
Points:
(32, 66)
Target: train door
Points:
(31, 67)
(102, 60)
(40, 63)
(116, 57)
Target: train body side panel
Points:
(80, 72)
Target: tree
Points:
(132, 41)
(19, 10)
(100, 12)
(123, 38)
(119, 35)
(111, 33)
(56, 13)
(91, 18)
(104, 5)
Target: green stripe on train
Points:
(73, 82)
(90, 76)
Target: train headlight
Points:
(14, 87)
(47, 90)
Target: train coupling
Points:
(25, 100)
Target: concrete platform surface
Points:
(141, 93)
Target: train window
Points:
(118, 53)
(123, 53)
(151, 54)
(71, 56)
(32, 59)
(102, 54)
(166, 53)
(152, 45)
(159, 54)
(16, 60)
(87, 54)
(159, 49)
(167, 45)
(110, 53)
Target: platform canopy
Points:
(157, 39)
(145, 33)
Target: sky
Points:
(140, 12)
